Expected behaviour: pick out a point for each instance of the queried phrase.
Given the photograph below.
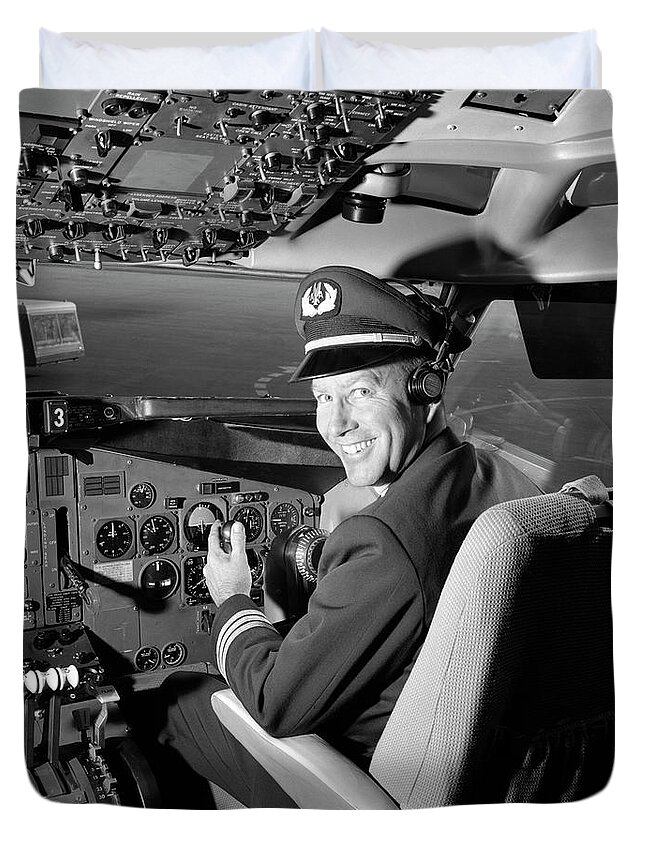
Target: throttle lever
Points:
(225, 536)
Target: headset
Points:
(427, 382)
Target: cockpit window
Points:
(555, 429)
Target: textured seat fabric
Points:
(511, 697)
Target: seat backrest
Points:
(511, 697)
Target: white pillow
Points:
(562, 63)
(285, 62)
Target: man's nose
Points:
(341, 419)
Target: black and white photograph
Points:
(319, 502)
(283, 349)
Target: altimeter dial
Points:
(114, 539)
(157, 534)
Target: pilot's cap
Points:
(349, 320)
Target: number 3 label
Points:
(56, 416)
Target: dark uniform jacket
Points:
(342, 666)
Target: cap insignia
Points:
(321, 297)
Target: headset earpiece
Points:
(426, 383)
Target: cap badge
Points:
(321, 297)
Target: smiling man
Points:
(377, 361)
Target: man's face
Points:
(369, 422)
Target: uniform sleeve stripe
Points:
(240, 622)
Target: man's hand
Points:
(227, 574)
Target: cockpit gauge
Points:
(142, 495)
(194, 581)
(251, 518)
(159, 579)
(114, 538)
(198, 523)
(147, 658)
(284, 517)
(156, 534)
(173, 654)
(256, 565)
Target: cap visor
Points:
(345, 359)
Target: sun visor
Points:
(570, 336)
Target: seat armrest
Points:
(307, 768)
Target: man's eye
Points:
(361, 393)
(323, 398)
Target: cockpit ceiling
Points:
(467, 182)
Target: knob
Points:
(114, 232)
(56, 253)
(159, 237)
(331, 166)
(78, 176)
(72, 674)
(34, 681)
(109, 207)
(209, 238)
(321, 133)
(45, 639)
(103, 141)
(190, 256)
(33, 228)
(315, 112)
(234, 112)
(260, 118)
(55, 678)
(218, 97)
(98, 263)
(311, 154)
(272, 161)
(67, 637)
(347, 151)
(74, 230)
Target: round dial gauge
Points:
(251, 518)
(157, 534)
(159, 579)
(142, 495)
(256, 565)
(284, 517)
(114, 539)
(173, 654)
(147, 658)
(194, 581)
(198, 523)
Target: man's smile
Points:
(359, 447)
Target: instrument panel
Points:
(119, 542)
(192, 176)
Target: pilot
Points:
(377, 360)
